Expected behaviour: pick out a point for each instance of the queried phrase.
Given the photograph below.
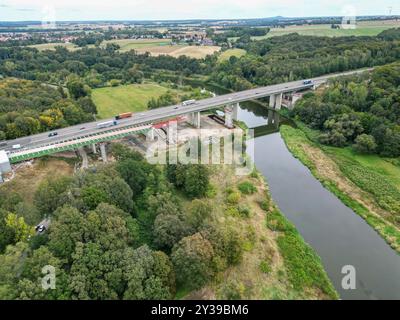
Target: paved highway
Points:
(152, 116)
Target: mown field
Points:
(231, 53)
(111, 101)
(129, 98)
(368, 28)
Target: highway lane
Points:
(155, 115)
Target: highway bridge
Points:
(73, 137)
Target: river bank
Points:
(277, 263)
(325, 167)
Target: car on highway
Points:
(16, 146)
(176, 108)
(82, 128)
(53, 134)
(305, 82)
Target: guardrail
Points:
(62, 146)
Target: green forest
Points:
(362, 111)
(117, 232)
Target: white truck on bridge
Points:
(188, 102)
(107, 124)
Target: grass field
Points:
(381, 166)
(367, 28)
(231, 53)
(129, 98)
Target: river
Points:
(337, 234)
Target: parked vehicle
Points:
(123, 115)
(40, 228)
(188, 102)
(106, 124)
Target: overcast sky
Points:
(14, 10)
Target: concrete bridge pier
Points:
(195, 119)
(235, 111)
(275, 101)
(150, 134)
(94, 149)
(103, 152)
(172, 131)
(5, 166)
(231, 114)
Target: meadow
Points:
(128, 98)
(231, 53)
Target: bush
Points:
(265, 267)
(247, 188)
(365, 143)
(244, 211)
(233, 198)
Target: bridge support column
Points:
(94, 149)
(5, 166)
(195, 119)
(172, 132)
(150, 134)
(235, 111)
(103, 152)
(229, 116)
(275, 101)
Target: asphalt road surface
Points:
(152, 116)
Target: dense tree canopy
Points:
(362, 110)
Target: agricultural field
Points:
(365, 28)
(114, 100)
(197, 52)
(155, 47)
(231, 53)
(129, 44)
